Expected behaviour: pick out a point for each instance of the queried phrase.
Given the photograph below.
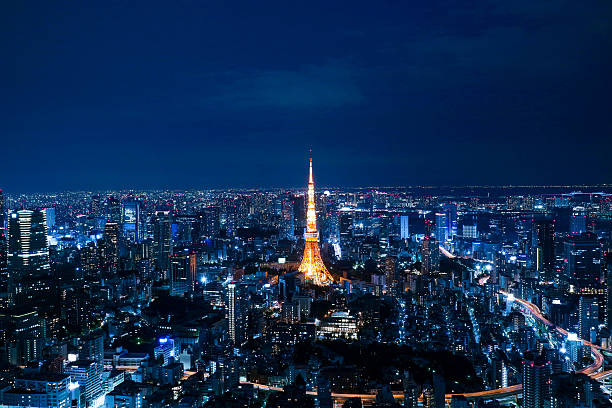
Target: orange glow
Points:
(312, 265)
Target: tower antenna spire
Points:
(312, 265)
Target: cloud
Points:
(310, 86)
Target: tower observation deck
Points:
(312, 265)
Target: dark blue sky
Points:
(107, 94)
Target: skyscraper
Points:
(441, 227)
(536, 383)
(588, 316)
(543, 248)
(582, 256)
(237, 299)
(88, 374)
(162, 241)
(131, 220)
(450, 211)
(312, 265)
(113, 210)
(28, 254)
(3, 235)
(183, 269)
(110, 247)
(578, 221)
(430, 256)
(404, 227)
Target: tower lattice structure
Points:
(312, 265)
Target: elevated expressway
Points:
(593, 370)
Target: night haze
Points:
(104, 95)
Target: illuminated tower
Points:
(312, 265)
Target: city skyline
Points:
(306, 205)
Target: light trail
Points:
(592, 370)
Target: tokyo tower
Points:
(312, 265)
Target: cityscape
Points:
(371, 297)
(306, 205)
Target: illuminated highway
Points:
(593, 370)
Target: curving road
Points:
(592, 370)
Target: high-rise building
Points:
(92, 347)
(96, 206)
(578, 221)
(609, 292)
(312, 265)
(441, 228)
(536, 383)
(430, 256)
(470, 226)
(392, 276)
(411, 391)
(183, 270)
(131, 220)
(113, 210)
(237, 307)
(543, 248)
(3, 234)
(28, 255)
(110, 247)
(582, 256)
(25, 334)
(588, 316)
(50, 217)
(404, 227)
(39, 390)
(162, 241)
(287, 220)
(450, 211)
(88, 374)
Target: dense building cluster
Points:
(460, 297)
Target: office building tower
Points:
(162, 242)
(543, 249)
(88, 374)
(312, 265)
(237, 306)
(95, 208)
(38, 390)
(24, 333)
(430, 256)
(113, 210)
(582, 257)
(28, 255)
(392, 276)
(578, 221)
(110, 247)
(3, 235)
(92, 347)
(131, 221)
(470, 226)
(536, 383)
(404, 227)
(411, 391)
(439, 385)
(588, 316)
(441, 228)
(50, 218)
(287, 220)
(450, 212)
(183, 270)
(429, 397)
(609, 293)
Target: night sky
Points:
(105, 94)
